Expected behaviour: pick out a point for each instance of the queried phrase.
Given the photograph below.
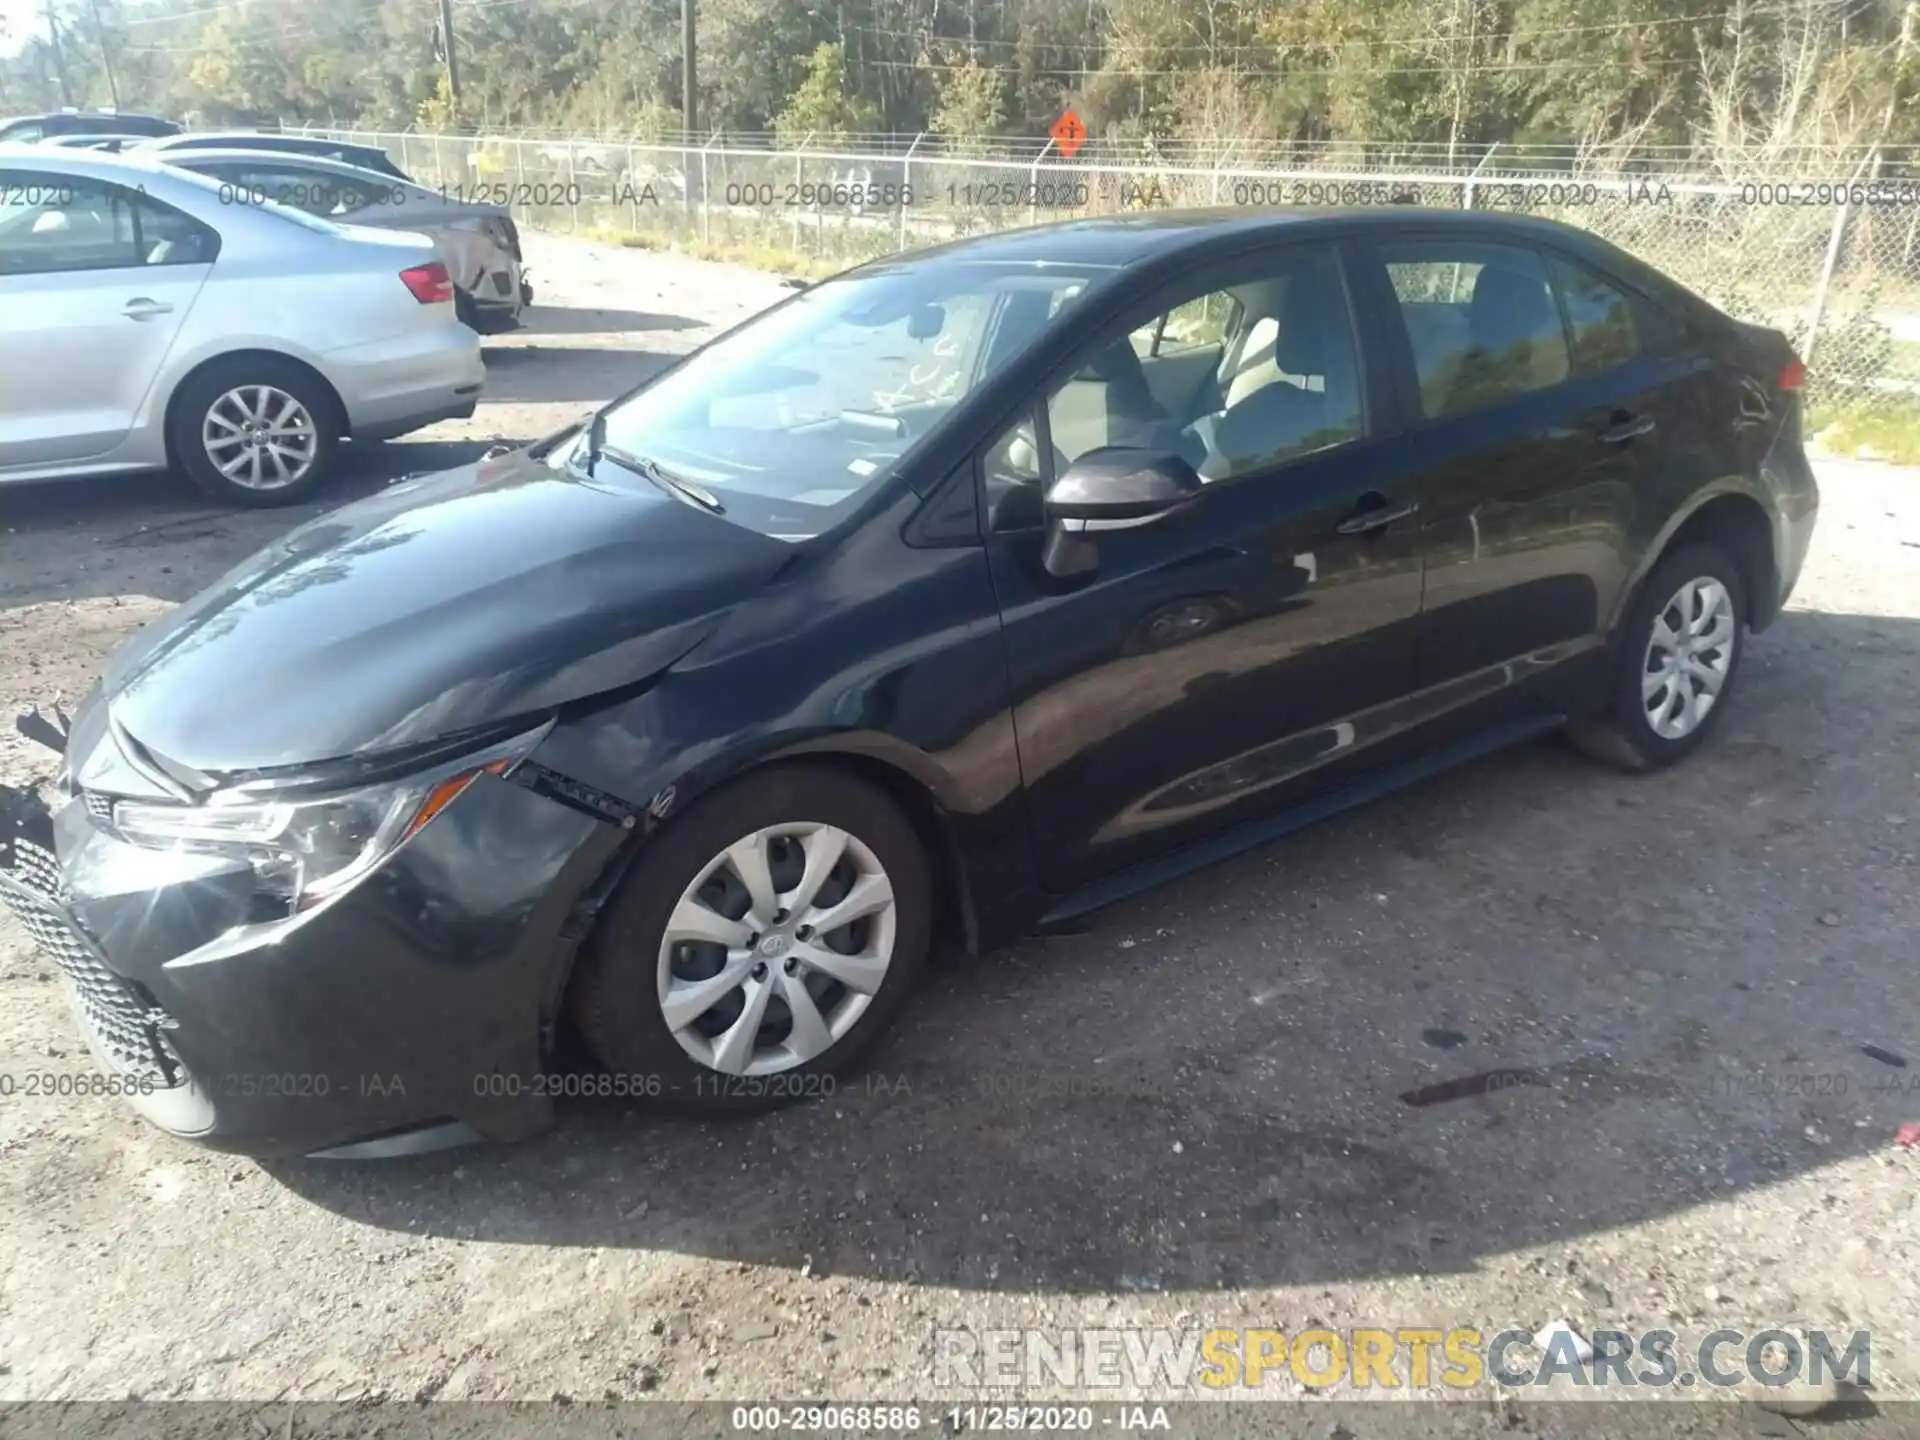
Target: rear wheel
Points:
(255, 431)
(1679, 653)
(764, 941)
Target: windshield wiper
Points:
(656, 472)
(596, 438)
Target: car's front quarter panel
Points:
(866, 649)
(414, 998)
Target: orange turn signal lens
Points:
(448, 791)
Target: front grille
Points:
(128, 1030)
(99, 806)
(502, 283)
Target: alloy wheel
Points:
(260, 437)
(1689, 656)
(776, 948)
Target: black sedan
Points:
(969, 591)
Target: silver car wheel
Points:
(260, 437)
(1689, 656)
(776, 949)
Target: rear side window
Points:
(1600, 318)
(1481, 321)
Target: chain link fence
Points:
(1829, 252)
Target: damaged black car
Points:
(971, 590)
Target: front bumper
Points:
(414, 1005)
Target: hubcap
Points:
(776, 949)
(1689, 656)
(260, 437)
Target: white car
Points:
(149, 319)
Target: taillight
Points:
(1794, 376)
(430, 284)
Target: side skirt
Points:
(1250, 834)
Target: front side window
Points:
(1481, 320)
(791, 419)
(1278, 378)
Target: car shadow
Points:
(592, 320)
(1528, 1000)
(527, 372)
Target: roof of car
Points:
(187, 156)
(1115, 240)
(126, 167)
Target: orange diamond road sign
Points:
(1069, 134)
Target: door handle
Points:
(1375, 517)
(142, 308)
(1625, 429)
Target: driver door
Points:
(1233, 658)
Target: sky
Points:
(16, 20)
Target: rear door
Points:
(1520, 534)
(1545, 400)
(98, 281)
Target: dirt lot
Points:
(1694, 961)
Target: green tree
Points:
(972, 105)
(821, 113)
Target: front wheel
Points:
(763, 941)
(1679, 653)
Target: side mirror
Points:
(1113, 488)
(1120, 488)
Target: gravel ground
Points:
(1188, 1114)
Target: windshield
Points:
(790, 420)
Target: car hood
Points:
(439, 605)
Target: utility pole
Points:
(689, 73)
(453, 54)
(59, 57)
(106, 55)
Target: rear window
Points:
(224, 192)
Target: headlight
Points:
(309, 849)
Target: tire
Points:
(228, 393)
(1625, 734)
(616, 999)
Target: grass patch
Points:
(756, 257)
(1872, 430)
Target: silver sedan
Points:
(149, 320)
(479, 242)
